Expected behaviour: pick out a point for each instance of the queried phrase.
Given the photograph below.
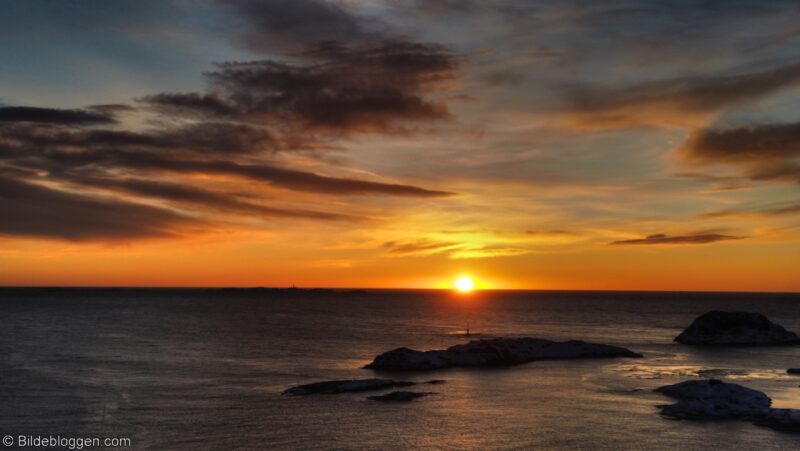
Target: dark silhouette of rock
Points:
(736, 328)
(780, 419)
(712, 399)
(347, 386)
(436, 381)
(494, 352)
(400, 396)
(793, 371)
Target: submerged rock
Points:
(347, 386)
(400, 396)
(712, 399)
(736, 328)
(494, 352)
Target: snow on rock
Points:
(736, 328)
(494, 352)
(346, 386)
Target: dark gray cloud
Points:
(191, 103)
(764, 152)
(339, 89)
(700, 238)
(37, 211)
(270, 25)
(757, 143)
(55, 115)
(207, 138)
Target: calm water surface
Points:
(203, 369)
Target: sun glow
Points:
(464, 284)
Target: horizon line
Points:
(266, 287)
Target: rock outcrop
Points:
(712, 399)
(494, 352)
(736, 328)
(347, 386)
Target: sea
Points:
(197, 369)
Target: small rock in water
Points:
(400, 396)
(793, 371)
(436, 381)
(345, 386)
(736, 328)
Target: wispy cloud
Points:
(663, 239)
(682, 101)
(33, 210)
(787, 209)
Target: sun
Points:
(464, 284)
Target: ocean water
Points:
(204, 369)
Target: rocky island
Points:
(351, 386)
(494, 352)
(713, 399)
(400, 396)
(346, 386)
(736, 328)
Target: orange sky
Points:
(374, 144)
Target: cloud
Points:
(682, 101)
(718, 182)
(551, 232)
(450, 249)
(206, 138)
(191, 103)
(765, 152)
(291, 26)
(701, 238)
(339, 74)
(188, 150)
(273, 175)
(757, 143)
(788, 209)
(182, 194)
(423, 247)
(338, 89)
(38, 211)
(55, 115)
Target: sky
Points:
(609, 144)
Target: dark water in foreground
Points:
(196, 369)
